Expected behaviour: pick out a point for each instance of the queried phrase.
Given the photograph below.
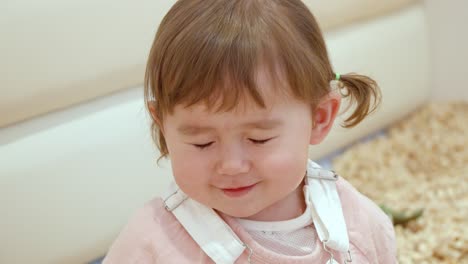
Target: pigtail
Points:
(363, 93)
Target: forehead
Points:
(199, 119)
(247, 113)
(279, 111)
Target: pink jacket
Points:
(154, 235)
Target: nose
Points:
(233, 161)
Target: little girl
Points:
(237, 91)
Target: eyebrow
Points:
(266, 124)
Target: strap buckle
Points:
(175, 199)
(321, 174)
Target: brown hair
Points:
(205, 50)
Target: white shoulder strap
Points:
(326, 207)
(206, 227)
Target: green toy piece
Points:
(401, 218)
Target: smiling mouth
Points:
(238, 192)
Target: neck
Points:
(290, 207)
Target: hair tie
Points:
(337, 84)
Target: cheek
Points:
(190, 166)
(287, 162)
(187, 163)
(191, 175)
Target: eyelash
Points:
(203, 146)
(255, 141)
(260, 141)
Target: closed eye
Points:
(260, 141)
(202, 146)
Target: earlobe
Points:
(324, 116)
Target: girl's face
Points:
(248, 162)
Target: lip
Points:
(238, 192)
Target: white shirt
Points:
(294, 237)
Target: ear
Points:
(323, 117)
